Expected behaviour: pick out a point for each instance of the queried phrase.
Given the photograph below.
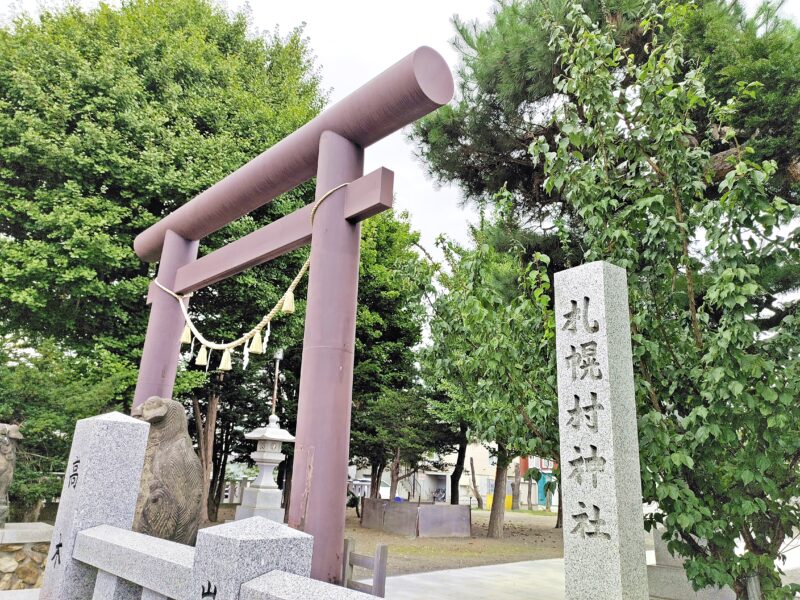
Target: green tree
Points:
(506, 93)
(47, 392)
(491, 353)
(110, 119)
(394, 280)
(715, 353)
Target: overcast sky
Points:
(353, 40)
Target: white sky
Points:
(353, 40)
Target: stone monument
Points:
(604, 553)
(263, 498)
(9, 434)
(172, 479)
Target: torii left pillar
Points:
(161, 351)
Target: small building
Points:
(434, 486)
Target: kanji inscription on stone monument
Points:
(604, 554)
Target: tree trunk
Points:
(458, 469)
(394, 474)
(560, 517)
(475, 489)
(515, 491)
(497, 515)
(376, 470)
(218, 473)
(530, 492)
(287, 487)
(205, 435)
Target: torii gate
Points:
(332, 147)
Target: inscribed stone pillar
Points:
(604, 554)
(101, 486)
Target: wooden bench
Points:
(376, 564)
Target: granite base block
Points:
(279, 585)
(671, 583)
(20, 595)
(26, 533)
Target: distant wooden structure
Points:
(376, 564)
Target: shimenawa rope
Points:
(283, 303)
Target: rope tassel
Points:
(186, 336)
(202, 357)
(225, 362)
(257, 345)
(288, 303)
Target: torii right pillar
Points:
(322, 449)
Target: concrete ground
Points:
(528, 580)
(531, 580)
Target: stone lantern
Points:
(263, 498)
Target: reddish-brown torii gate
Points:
(331, 146)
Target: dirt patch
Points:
(526, 536)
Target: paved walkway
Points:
(529, 580)
(532, 580)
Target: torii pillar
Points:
(322, 449)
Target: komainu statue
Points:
(171, 488)
(9, 434)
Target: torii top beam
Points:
(406, 91)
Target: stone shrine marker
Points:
(604, 554)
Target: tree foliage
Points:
(715, 352)
(110, 119)
(506, 93)
(394, 281)
(48, 392)
(491, 351)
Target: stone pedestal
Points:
(263, 498)
(667, 580)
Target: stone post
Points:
(100, 488)
(109, 587)
(226, 556)
(263, 498)
(604, 554)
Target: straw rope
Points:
(269, 316)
